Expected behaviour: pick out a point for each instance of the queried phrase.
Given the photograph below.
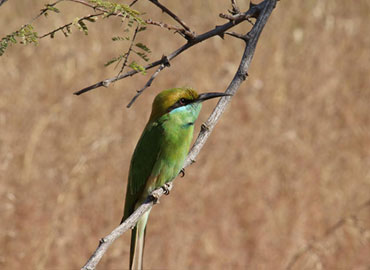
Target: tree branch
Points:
(169, 12)
(149, 83)
(68, 25)
(177, 29)
(217, 31)
(127, 54)
(265, 9)
(129, 223)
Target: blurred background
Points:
(282, 180)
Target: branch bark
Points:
(217, 31)
(129, 223)
(188, 34)
(264, 10)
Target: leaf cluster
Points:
(25, 35)
(123, 10)
(103, 9)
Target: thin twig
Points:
(132, 3)
(61, 28)
(167, 26)
(127, 54)
(217, 31)
(149, 82)
(235, 9)
(129, 223)
(237, 35)
(119, 14)
(169, 12)
(46, 9)
(264, 10)
(186, 32)
(267, 7)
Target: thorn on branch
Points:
(244, 76)
(204, 127)
(240, 36)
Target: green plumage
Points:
(160, 154)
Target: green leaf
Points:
(137, 67)
(143, 56)
(91, 19)
(83, 27)
(113, 60)
(143, 47)
(52, 8)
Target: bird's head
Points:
(170, 99)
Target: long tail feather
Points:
(137, 243)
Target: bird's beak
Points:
(205, 96)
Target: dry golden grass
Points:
(289, 159)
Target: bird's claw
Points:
(166, 189)
(182, 172)
(156, 198)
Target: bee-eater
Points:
(160, 154)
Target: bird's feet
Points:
(182, 172)
(156, 194)
(166, 188)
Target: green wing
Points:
(143, 160)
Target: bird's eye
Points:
(182, 101)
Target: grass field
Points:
(283, 178)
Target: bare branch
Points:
(266, 9)
(185, 31)
(177, 29)
(149, 83)
(234, 17)
(237, 35)
(129, 223)
(217, 31)
(169, 12)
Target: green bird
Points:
(160, 154)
